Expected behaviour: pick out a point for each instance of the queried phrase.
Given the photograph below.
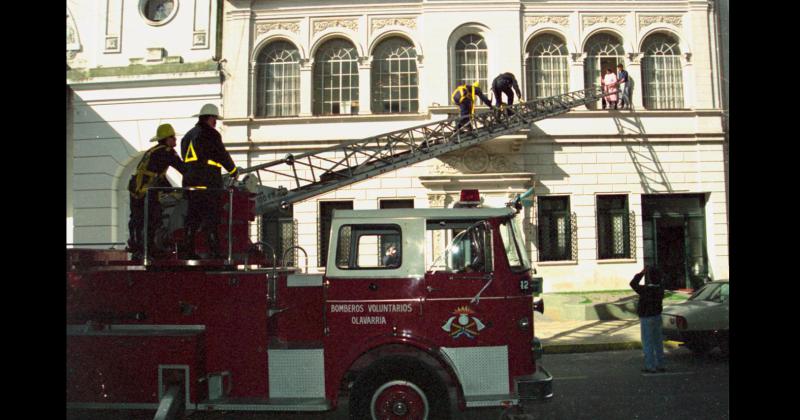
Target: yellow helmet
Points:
(163, 131)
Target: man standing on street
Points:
(651, 295)
(204, 154)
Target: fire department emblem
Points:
(463, 323)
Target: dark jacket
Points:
(650, 297)
(204, 155)
(506, 80)
(152, 169)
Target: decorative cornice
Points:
(291, 26)
(381, 23)
(618, 20)
(321, 25)
(645, 21)
(474, 160)
(538, 20)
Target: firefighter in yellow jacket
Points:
(151, 172)
(204, 155)
(464, 97)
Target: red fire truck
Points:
(442, 324)
(420, 313)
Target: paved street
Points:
(609, 385)
(603, 385)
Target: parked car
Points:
(701, 322)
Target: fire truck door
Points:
(369, 289)
(458, 284)
(464, 309)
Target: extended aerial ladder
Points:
(316, 172)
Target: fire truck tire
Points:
(399, 388)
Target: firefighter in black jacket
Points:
(151, 172)
(503, 84)
(464, 97)
(204, 155)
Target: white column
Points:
(689, 97)
(704, 88)
(576, 81)
(364, 67)
(634, 68)
(306, 87)
(253, 93)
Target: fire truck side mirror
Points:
(536, 285)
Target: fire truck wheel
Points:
(398, 389)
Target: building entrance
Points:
(675, 238)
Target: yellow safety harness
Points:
(144, 178)
(461, 91)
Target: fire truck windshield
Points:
(512, 242)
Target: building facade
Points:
(131, 66)
(613, 189)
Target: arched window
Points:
(394, 77)
(603, 51)
(548, 71)
(278, 80)
(336, 78)
(471, 60)
(662, 74)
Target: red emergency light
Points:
(469, 198)
(470, 195)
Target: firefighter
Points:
(151, 172)
(204, 155)
(503, 84)
(464, 97)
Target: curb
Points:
(597, 347)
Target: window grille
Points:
(558, 230)
(662, 73)
(278, 80)
(471, 60)
(336, 79)
(394, 77)
(548, 70)
(614, 230)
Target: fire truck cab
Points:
(420, 313)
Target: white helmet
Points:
(209, 109)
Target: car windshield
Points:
(712, 292)
(512, 242)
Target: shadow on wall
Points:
(633, 135)
(103, 161)
(546, 170)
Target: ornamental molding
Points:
(321, 25)
(475, 160)
(380, 23)
(438, 200)
(291, 26)
(618, 20)
(539, 20)
(645, 21)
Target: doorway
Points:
(671, 251)
(674, 233)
